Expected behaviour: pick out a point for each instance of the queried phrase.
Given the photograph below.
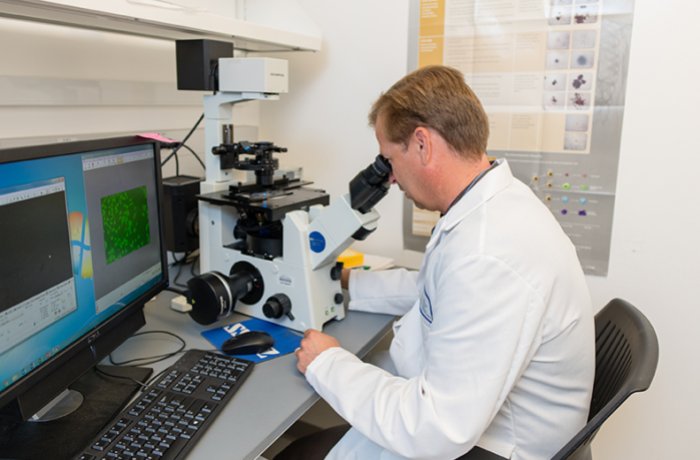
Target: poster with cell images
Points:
(551, 75)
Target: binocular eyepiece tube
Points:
(370, 185)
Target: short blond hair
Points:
(435, 97)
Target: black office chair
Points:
(627, 352)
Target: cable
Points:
(175, 261)
(151, 359)
(190, 258)
(196, 156)
(177, 158)
(147, 383)
(182, 262)
(214, 75)
(145, 360)
(193, 265)
(174, 152)
(176, 291)
(123, 377)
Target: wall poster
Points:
(551, 75)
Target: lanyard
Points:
(471, 185)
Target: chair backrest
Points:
(627, 352)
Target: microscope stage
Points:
(273, 204)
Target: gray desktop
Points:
(271, 399)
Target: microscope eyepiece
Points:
(370, 185)
(380, 170)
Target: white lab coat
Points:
(497, 351)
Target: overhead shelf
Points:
(171, 19)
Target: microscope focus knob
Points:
(278, 305)
(337, 271)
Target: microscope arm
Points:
(333, 228)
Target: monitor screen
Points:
(82, 251)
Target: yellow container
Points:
(351, 258)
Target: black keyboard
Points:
(169, 416)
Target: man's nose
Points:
(392, 178)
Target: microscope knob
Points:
(337, 271)
(278, 305)
(338, 298)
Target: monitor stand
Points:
(66, 403)
(63, 438)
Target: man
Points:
(495, 348)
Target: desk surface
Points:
(273, 397)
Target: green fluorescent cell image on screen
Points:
(125, 222)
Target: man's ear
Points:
(422, 137)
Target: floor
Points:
(320, 416)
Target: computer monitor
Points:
(81, 252)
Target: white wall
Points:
(655, 258)
(64, 83)
(323, 118)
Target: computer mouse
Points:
(248, 343)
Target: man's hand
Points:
(345, 278)
(313, 344)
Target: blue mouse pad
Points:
(286, 340)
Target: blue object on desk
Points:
(286, 340)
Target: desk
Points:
(273, 397)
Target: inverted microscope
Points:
(269, 247)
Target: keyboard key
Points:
(169, 417)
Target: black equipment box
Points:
(181, 213)
(197, 63)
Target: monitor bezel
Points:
(36, 389)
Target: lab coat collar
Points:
(492, 183)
